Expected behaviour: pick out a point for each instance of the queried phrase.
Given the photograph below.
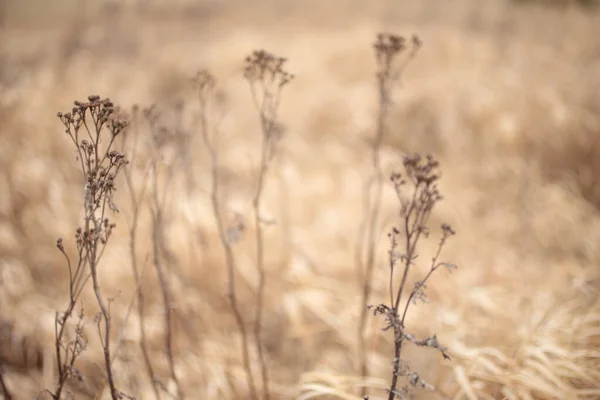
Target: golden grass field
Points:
(507, 97)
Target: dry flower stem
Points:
(135, 207)
(264, 72)
(99, 166)
(158, 246)
(205, 84)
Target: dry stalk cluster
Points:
(418, 194)
(92, 127)
(393, 54)
(267, 78)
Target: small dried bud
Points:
(416, 41)
(447, 230)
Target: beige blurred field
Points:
(506, 96)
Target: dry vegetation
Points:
(252, 207)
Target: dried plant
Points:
(100, 165)
(204, 82)
(267, 78)
(265, 74)
(388, 49)
(136, 203)
(161, 256)
(418, 194)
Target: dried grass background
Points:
(507, 97)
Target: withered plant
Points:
(390, 66)
(418, 194)
(267, 78)
(92, 127)
(131, 142)
(162, 257)
(205, 83)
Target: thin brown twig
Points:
(371, 224)
(136, 200)
(159, 251)
(205, 84)
(162, 279)
(265, 71)
(256, 203)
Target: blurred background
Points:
(505, 94)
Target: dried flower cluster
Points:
(100, 111)
(267, 78)
(265, 67)
(389, 46)
(204, 82)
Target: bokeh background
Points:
(506, 94)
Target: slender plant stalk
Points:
(104, 308)
(262, 275)
(157, 227)
(161, 138)
(264, 72)
(136, 208)
(205, 84)
(370, 224)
